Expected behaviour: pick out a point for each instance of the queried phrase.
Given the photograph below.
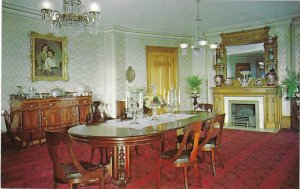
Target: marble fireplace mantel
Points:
(271, 102)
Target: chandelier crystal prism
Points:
(71, 21)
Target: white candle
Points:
(126, 100)
(175, 96)
(141, 100)
(178, 96)
(168, 97)
(164, 93)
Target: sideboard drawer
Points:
(85, 101)
(30, 105)
(49, 104)
(66, 103)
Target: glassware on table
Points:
(172, 102)
(154, 111)
(134, 104)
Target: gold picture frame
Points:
(130, 74)
(48, 57)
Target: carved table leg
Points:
(121, 166)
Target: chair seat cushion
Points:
(211, 141)
(71, 171)
(184, 157)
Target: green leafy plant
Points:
(194, 83)
(290, 83)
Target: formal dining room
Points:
(141, 94)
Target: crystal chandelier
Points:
(71, 21)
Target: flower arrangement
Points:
(150, 101)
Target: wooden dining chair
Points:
(212, 139)
(182, 158)
(95, 118)
(204, 107)
(74, 172)
(8, 139)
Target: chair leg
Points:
(101, 180)
(186, 182)
(40, 138)
(158, 173)
(220, 157)
(213, 162)
(74, 186)
(31, 138)
(197, 173)
(55, 185)
(137, 151)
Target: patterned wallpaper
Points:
(100, 61)
(131, 51)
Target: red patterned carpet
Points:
(252, 160)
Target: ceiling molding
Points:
(32, 13)
(117, 28)
(250, 25)
(35, 14)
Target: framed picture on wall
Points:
(48, 57)
(241, 67)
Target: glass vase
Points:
(154, 112)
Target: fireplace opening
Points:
(244, 111)
(243, 115)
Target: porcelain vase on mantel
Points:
(218, 80)
(271, 78)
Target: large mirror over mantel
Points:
(249, 52)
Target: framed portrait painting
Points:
(49, 57)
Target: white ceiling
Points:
(177, 16)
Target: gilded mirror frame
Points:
(244, 37)
(41, 69)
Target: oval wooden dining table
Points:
(108, 135)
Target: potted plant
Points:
(194, 83)
(290, 83)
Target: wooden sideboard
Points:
(271, 102)
(31, 116)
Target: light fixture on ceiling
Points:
(71, 21)
(201, 42)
